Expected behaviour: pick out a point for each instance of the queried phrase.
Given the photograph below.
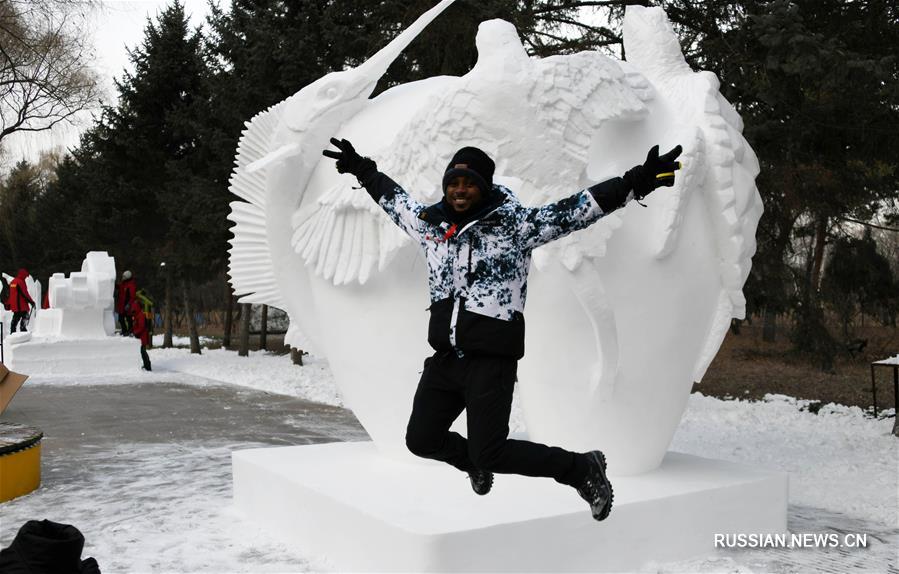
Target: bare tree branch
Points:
(570, 5)
(45, 73)
(604, 32)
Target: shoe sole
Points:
(489, 488)
(604, 513)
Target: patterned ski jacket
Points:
(478, 266)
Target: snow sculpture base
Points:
(366, 512)
(57, 356)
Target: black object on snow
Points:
(46, 547)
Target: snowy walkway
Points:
(142, 464)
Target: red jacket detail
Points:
(127, 292)
(19, 299)
(139, 325)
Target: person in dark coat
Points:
(45, 547)
(478, 242)
(141, 330)
(126, 293)
(20, 301)
(4, 292)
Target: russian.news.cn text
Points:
(792, 540)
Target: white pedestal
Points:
(366, 512)
(54, 356)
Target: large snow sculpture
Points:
(622, 317)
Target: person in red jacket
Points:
(127, 291)
(141, 330)
(20, 302)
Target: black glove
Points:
(641, 180)
(348, 161)
(655, 172)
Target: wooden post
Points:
(244, 349)
(263, 328)
(296, 355)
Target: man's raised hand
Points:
(348, 161)
(664, 166)
(657, 171)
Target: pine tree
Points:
(816, 83)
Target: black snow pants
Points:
(17, 317)
(481, 385)
(145, 357)
(126, 323)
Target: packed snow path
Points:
(141, 464)
(144, 471)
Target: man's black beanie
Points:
(474, 163)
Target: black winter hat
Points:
(474, 163)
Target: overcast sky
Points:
(115, 26)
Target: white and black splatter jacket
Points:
(478, 268)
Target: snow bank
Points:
(260, 370)
(838, 459)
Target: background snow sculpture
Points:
(81, 305)
(76, 335)
(622, 317)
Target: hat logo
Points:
(460, 166)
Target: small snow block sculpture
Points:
(81, 304)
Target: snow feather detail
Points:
(250, 265)
(729, 181)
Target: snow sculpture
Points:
(622, 317)
(75, 336)
(81, 304)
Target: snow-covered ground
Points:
(843, 477)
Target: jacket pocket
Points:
(439, 324)
(476, 333)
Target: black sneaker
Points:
(596, 488)
(481, 481)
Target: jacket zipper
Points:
(457, 304)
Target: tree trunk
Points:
(263, 328)
(168, 319)
(191, 321)
(818, 256)
(244, 349)
(769, 326)
(229, 315)
(296, 355)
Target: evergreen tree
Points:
(139, 171)
(858, 278)
(19, 194)
(816, 83)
